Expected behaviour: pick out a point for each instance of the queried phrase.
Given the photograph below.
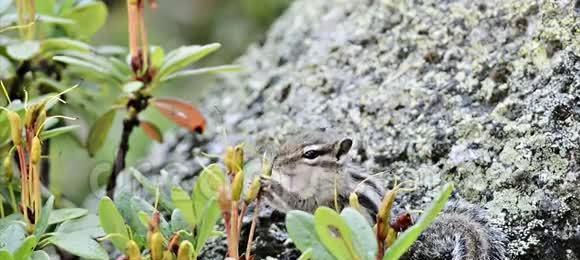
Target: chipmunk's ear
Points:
(343, 147)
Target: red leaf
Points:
(152, 131)
(181, 113)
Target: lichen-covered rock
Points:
(482, 93)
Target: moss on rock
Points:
(482, 93)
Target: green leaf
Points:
(81, 63)
(4, 5)
(45, 6)
(5, 255)
(122, 67)
(306, 255)
(334, 233)
(132, 86)
(79, 244)
(206, 188)
(210, 215)
(89, 18)
(144, 218)
(407, 238)
(164, 198)
(57, 131)
(146, 183)
(157, 56)
(64, 44)
(4, 131)
(14, 217)
(103, 68)
(178, 221)
(25, 250)
(89, 225)
(183, 202)
(57, 86)
(205, 205)
(138, 204)
(130, 214)
(195, 72)
(6, 68)
(54, 20)
(183, 57)
(112, 222)
(301, 230)
(66, 6)
(61, 215)
(12, 19)
(45, 213)
(111, 50)
(99, 131)
(23, 50)
(12, 235)
(38, 255)
(365, 241)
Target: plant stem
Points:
(241, 217)
(1, 207)
(143, 35)
(135, 105)
(252, 229)
(228, 225)
(380, 241)
(23, 183)
(12, 198)
(139, 101)
(128, 127)
(234, 252)
(132, 13)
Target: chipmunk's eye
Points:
(310, 154)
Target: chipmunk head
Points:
(308, 163)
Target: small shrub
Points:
(329, 235)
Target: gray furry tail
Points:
(462, 232)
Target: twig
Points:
(381, 244)
(12, 197)
(135, 106)
(129, 125)
(228, 226)
(234, 252)
(252, 229)
(241, 217)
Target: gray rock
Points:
(482, 93)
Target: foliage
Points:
(328, 235)
(234, 203)
(43, 50)
(132, 221)
(72, 230)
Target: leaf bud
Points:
(185, 250)
(15, 127)
(238, 186)
(253, 190)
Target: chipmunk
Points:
(312, 169)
